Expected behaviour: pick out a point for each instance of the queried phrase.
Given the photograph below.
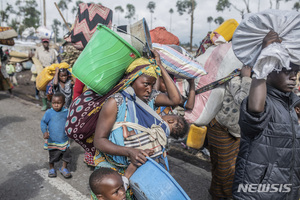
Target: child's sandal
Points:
(52, 173)
(65, 172)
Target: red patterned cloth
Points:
(89, 159)
(205, 43)
(88, 16)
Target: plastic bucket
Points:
(152, 182)
(104, 60)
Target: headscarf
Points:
(145, 66)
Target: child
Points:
(185, 104)
(62, 83)
(270, 136)
(53, 128)
(11, 73)
(108, 184)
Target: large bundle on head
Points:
(218, 61)
(43, 32)
(47, 75)
(162, 36)
(248, 37)
(87, 19)
(178, 62)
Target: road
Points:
(24, 166)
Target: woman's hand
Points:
(56, 69)
(156, 57)
(138, 156)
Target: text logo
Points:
(253, 188)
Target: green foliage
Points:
(297, 6)
(151, 6)
(210, 19)
(130, 11)
(6, 12)
(185, 6)
(119, 9)
(55, 27)
(219, 20)
(222, 5)
(63, 4)
(31, 16)
(14, 24)
(76, 7)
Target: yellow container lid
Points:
(226, 29)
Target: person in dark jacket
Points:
(268, 164)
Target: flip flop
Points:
(52, 173)
(65, 172)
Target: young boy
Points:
(108, 184)
(268, 162)
(53, 128)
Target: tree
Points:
(189, 7)
(297, 6)
(119, 9)
(55, 28)
(130, 11)
(209, 20)
(15, 25)
(5, 13)
(219, 20)
(31, 16)
(63, 5)
(75, 8)
(171, 11)
(278, 3)
(226, 4)
(151, 7)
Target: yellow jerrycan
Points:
(196, 136)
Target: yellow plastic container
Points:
(47, 75)
(196, 136)
(226, 29)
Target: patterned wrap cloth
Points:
(205, 43)
(88, 17)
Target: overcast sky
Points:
(161, 16)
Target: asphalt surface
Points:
(24, 166)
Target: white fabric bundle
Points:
(248, 37)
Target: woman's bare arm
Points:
(105, 122)
(173, 97)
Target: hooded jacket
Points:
(268, 163)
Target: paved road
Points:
(24, 166)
